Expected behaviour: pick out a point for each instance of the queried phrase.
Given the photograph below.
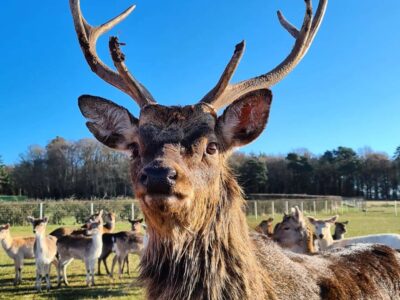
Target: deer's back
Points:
(359, 272)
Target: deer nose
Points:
(321, 236)
(158, 179)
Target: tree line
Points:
(340, 171)
(86, 169)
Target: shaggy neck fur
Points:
(215, 262)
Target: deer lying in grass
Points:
(108, 244)
(325, 240)
(18, 249)
(340, 230)
(294, 234)
(199, 246)
(125, 243)
(266, 227)
(108, 227)
(45, 250)
(87, 249)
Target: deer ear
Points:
(110, 123)
(45, 219)
(245, 119)
(311, 220)
(30, 219)
(332, 220)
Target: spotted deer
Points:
(199, 245)
(85, 248)
(18, 249)
(45, 250)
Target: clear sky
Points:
(345, 92)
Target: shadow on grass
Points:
(75, 292)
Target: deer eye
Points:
(212, 148)
(134, 150)
(286, 228)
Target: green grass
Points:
(378, 219)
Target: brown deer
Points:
(18, 249)
(340, 230)
(266, 227)
(294, 233)
(199, 246)
(108, 227)
(45, 249)
(109, 240)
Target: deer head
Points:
(178, 154)
(38, 225)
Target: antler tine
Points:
(88, 36)
(227, 74)
(304, 38)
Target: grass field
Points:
(378, 219)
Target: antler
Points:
(224, 93)
(88, 35)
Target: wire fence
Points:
(73, 212)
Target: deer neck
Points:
(216, 262)
(326, 242)
(338, 236)
(40, 241)
(6, 242)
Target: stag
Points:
(199, 246)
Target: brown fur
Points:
(295, 233)
(199, 245)
(266, 227)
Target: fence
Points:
(73, 212)
(69, 212)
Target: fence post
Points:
(315, 208)
(91, 208)
(133, 211)
(395, 208)
(255, 209)
(302, 206)
(273, 209)
(287, 207)
(41, 210)
(326, 206)
(341, 206)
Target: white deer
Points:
(87, 249)
(45, 250)
(325, 240)
(18, 249)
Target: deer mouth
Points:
(165, 203)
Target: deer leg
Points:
(92, 264)
(38, 283)
(16, 266)
(47, 272)
(113, 265)
(105, 263)
(99, 265)
(64, 271)
(127, 264)
(121, 260)
(87, 266)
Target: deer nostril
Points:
(321, 236)
(172, 174)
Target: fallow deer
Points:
(125, 243)
(87, 249)
(109, 241)
(199, 246)
(45, 250)
(295, 234)
(266, 227)
(18, 249)
(340, 230)
(108, 227)
(325, 240)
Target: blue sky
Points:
(345, 92)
